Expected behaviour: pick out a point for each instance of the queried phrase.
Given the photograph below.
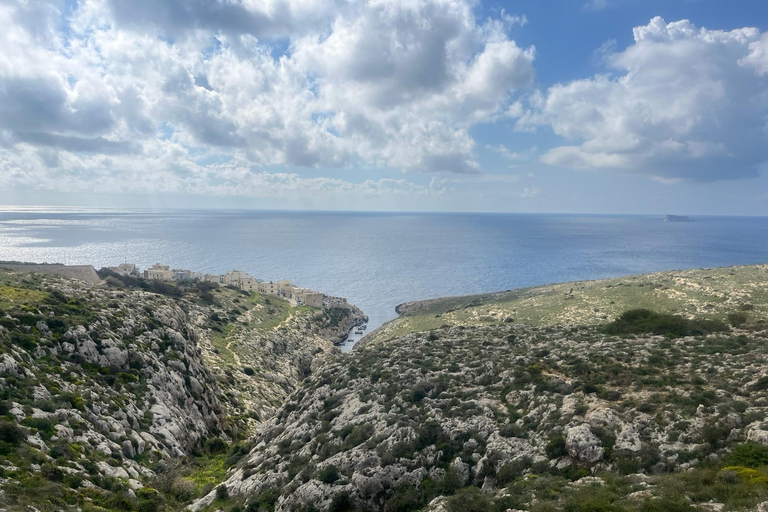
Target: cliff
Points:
(114, 397)
(566, 397)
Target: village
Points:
(237, 278)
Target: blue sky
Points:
(609, 106)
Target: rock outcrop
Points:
(108, 387)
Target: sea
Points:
(380, 260)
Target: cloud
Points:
(679, 103)
(758, 56)
(270, 19)
(596, 5)
(173, 86)
(172, 170)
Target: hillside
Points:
(538, 400)
(706, 293)
(117, 396)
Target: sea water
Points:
(379, 260)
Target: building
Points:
(209, 278)
(313, 299)
(269, 288)
(179, 274)
(302, 296)
(160, 272)
(234, 277)
(125, 269)
(237, 278)
(248, 284)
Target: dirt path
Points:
(281, 324)
(234, 354)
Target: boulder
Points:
(582, 444)
(128, 450)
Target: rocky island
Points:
(642, 393)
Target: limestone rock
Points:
(582, 444)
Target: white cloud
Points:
(681, 102)
(758, 55)
(596, 5)
(157, 91)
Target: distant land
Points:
(677, 218)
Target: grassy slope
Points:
(704, 293)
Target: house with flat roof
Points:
(125, 269)
(159, 271)
(179, 274)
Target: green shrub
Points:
(405, 499)
(264, 502)
(341, 503)
(469, 499)
(713, 433)
(419, 391)
(51, 472)
(11, 433)
(749, 455)
(328, 474)
(645, 321)
(451, 482)
(667, 505)
(736, 319)
(510, 472)
(42, 425)
(215, 446)
(556, 447)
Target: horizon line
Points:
(19, 207)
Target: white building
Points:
(125, 269)
(159, 271)
(179, 274)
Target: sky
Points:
(603, 106)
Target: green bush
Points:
(749, 455)
(736, 319)
(419, 391)
(328, 474)
(11, 433)
(556, 447)
(358, 435)
(511, 471)
(215, 446)
(667, 505)
(645, 321)
(264, 502)
(406, 499)
(469, 499)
